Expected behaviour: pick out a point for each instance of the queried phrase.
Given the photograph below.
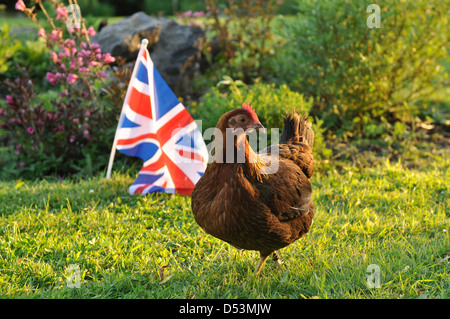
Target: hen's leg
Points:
(261, 262)
(276, 259)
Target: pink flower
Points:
(89, 31)
(96, 48)
(40, 122)
(72, 78)
(83, 70)
(41, 33)
(64, 54)
(72, 139)
(73, 64)
(52, 78)
(54, 57)
(69, 42)
(88, 114)
(108, 58)
(20, 5)
(61, 13)
(61, 128)
(9, 99)
(198, 14)
(84, 53)
(56, 35)
(21, 164)
(86, 132)
(75, 121)
(1, 111)
(187, 14)
(30, 130)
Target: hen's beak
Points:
(257, 126)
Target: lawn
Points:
(150, 247)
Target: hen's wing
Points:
(298, 153)
(287, 192)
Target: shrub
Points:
(8, 47)
(97, 8)
(240, 38)
(269, 101)
(362, 78)
(68, 128)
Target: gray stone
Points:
(174, 48)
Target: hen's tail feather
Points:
(291, 125)
(306, 131)
(297, 126)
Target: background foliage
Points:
(383, 91)
(269, 101)
(363, 80)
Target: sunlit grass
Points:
(150, 247)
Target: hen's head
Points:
(244, 118)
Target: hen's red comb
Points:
(250, 109)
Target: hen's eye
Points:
(242, 120)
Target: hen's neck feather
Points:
(251, 164)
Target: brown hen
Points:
(249, 204)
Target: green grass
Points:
(386, 215)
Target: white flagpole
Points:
(113, 150)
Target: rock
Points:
(174, 48)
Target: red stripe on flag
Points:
(140, 189)
(191, 155)
(183, 184)
(140, 103)
(178, 121)
(153, 167)
(128, 141)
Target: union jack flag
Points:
(156, 127)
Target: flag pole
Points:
(114, 146)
